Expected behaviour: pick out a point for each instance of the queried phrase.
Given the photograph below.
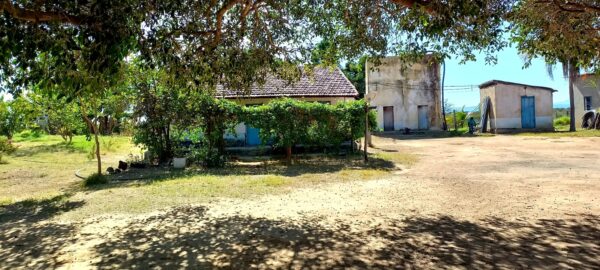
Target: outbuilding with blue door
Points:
(515, 107)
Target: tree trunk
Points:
(288, 155)
(95, 130)
(97, 141)
(572, 73)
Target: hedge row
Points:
(283, 122)
(287, 122)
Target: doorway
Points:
(528, 112)
(423, 116)
(388, 118)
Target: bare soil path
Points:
(504, 202)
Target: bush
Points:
(95, 179)
(562, 121)
(6, 147)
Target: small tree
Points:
(15, 115)
(156, 111)
(64, 117)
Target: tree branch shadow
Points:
(27, 239)
(273, 167)
(188, 238)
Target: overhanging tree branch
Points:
(415, 3)
(37, 16)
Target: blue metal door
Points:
(527, 112)
(252, 137)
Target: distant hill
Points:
(562, 104)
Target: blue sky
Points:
(508, 68)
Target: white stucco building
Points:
(405, 96)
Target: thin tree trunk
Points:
(95, 130)
(288, 155)
(572, 73)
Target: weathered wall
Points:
(240, 129)
(389, 84)
(489, 91)
(506, 103)
(586, 86)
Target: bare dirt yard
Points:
(503, 202)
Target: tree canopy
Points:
(559, 31)
(233, 42)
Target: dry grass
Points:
(406, 159)
(43, 168)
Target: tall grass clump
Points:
(95, 179)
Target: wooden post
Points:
(454, 118)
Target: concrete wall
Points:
(586, 86)
(489, 92)
(506, 106)
(240, 129)
(405, 88)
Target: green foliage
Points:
(288, 122)
(15, 116)
(158, 109)
(64, 116)
(30, 134)
(562, 121)
(75, 37)
(461, 118)
(558, 32)
(216, 116)
(95, 179)
(355, 72)
(6, 147)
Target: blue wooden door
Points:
(252, 137)
(527, 112)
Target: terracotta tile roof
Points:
(324, 82)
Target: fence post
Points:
(366, 155)
(454, 118)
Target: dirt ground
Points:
(503, 202)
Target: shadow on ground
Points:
(29, 151)
(27, 240)
(187, 238)
(421, 135)
(301, 166)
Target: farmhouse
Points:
(586, 92)
(405, 96)
(514, 106)
(324, 85)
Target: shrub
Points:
(6, 147)
(562, 121)
(95, 179)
